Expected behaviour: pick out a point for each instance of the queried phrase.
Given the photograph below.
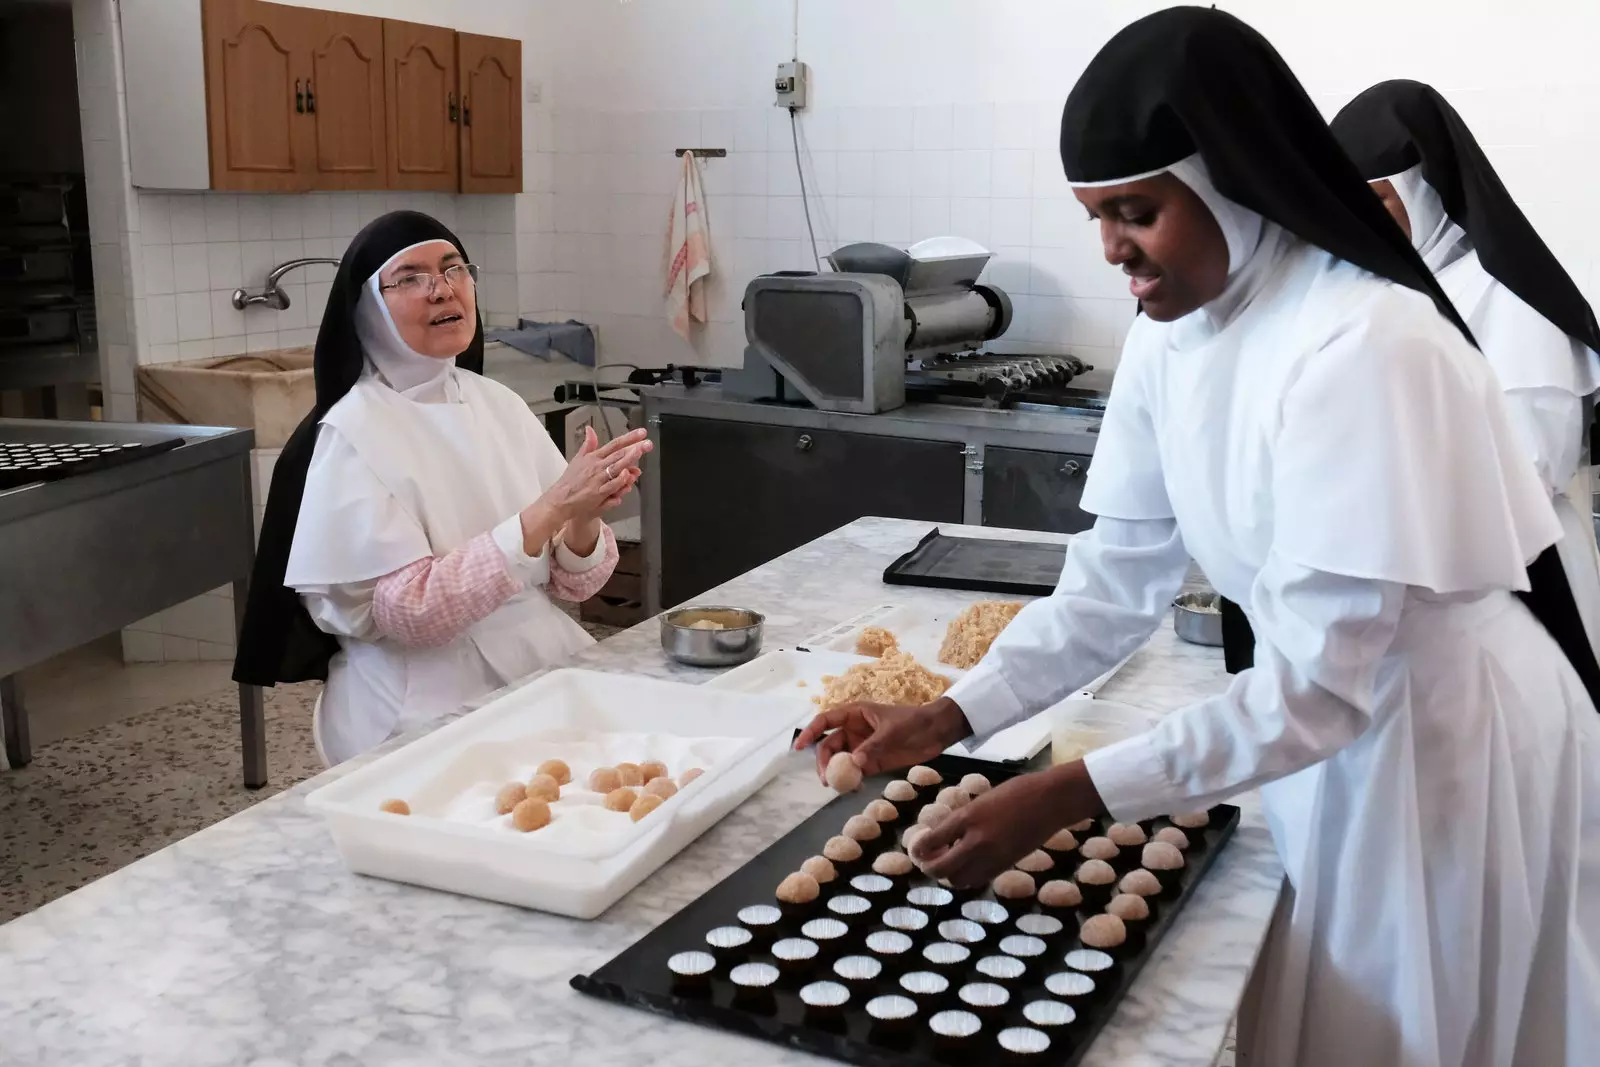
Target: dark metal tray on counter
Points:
(1048, 998)
(980, 565)
(23, 462)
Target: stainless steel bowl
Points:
(733, 635)
(1197, 618)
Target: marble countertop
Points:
(249, 942)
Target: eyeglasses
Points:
(422, 284)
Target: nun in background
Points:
(1301, 411)
(420, 518)
(1526, 314)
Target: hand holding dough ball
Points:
(630, 775)
(1160, 856)
(820, 868)
(1060, 894)
(932, 815)
(644, 806)
(900, 791)
(1062, 841)
(689, 775)
(881, 811)
(1103, 931)
(843, 774)
(1126, 834)
(1014, 885)
(604, 780)
(893, 864)
(842, 849)
(530, 815)
(798, 888)
(953, 797)
(651, 769)
(862, 828)
(923, 777)
(556, 769)
(395, 807)
(544, 787)
(620, 799)
(661, 787)
(511, 794)
(908, 840)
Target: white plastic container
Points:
(1080, 725)
(567, 714)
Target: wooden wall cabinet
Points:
(291, 99)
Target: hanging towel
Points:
(688, 251)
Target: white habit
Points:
(1339, 462)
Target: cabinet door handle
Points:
(804, 443)
(466, 111)
(311, 100)
(455, 114)
(299, 99)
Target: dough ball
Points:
(1082, 826)
(511, 794)
(909, 838)
(975, 785)
(1099, 848)
(842, 849)
(843, 774)
(1014, 885)
(953, 797)
(900, 791)
(1036, 862)
(1095, 872)
(798, 888)
(894, 864)
(630, 774)
(1191, 820)
(862, 828)
(395, 807)
(1126, 834)
(644, 806)
(604, 779)
(1103, 931)
(556, 769)
(820, 868)
(652, 769)
(1062, 841)
(544, 787)
(661, 787)
(688, 776)
(1140, 884)
(531, 814)
(1160, 856)
(922, 777)
(1129, 907)
(620, 799)
(1060, 894)
(932, 815)
(1173, 836)
(881, 811)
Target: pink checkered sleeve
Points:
(579, 585)
(432, 601)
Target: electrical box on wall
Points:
(791, 84)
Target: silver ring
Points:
(608, 472)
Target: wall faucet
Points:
(273, 295)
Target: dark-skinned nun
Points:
(1533, 325)
(1299, 409)
(420, 519)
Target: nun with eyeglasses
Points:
(421, 522)
(1300, 409)
(1528, 317)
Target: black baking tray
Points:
(981, 565)
(639, 976)
(27, 462)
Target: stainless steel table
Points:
(90, 554)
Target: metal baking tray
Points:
(640, 976)
(980, 564)
(26, 462)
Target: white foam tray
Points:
(577, 715)
(920, 632)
